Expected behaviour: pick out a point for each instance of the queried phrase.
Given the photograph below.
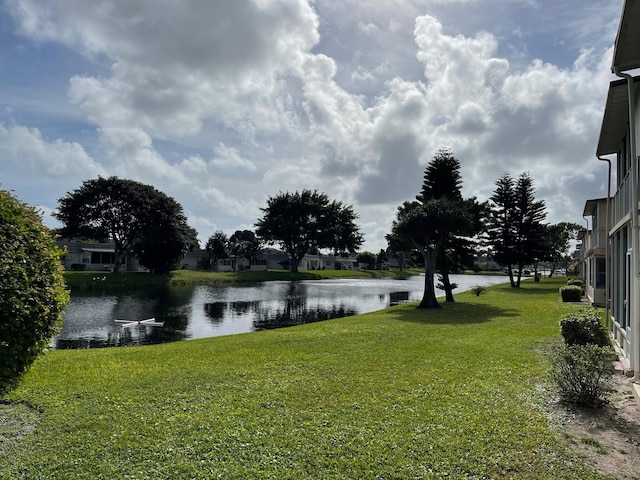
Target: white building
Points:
(619, 136)
(593, 250)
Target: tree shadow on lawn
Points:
(457, 313)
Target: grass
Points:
(133, 280)
(395, 394)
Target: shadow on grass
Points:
(458, 313)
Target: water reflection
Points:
(205, 311)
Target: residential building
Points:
(593, 250)
(619, 137)
(93, 256)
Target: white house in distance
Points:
(619, 136)
(593, 251)
(93, 256)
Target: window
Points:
(103, 258)
(601, 273)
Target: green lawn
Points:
(132, 280)
(397, 394)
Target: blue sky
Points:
(224, 104)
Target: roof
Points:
(99, 249)
(615, 121)
(591, 205)
(626, 53)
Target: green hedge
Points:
(33, 290)
(571, 293)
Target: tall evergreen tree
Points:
(438, 213)
(516, 228)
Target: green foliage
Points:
(515, 224)
(583, 327)
(135, 216)
(557, 242)
(577, 282)
(306, 220)
(434, 224)
(583, 373)
(583, 364)
(244, 243)
(478, 290)
(33, 292)
(571, 293)
(367, 258)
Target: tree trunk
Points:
(448, 288)
(117, 259)
(429, 300)
(295, 261)
(510, 271)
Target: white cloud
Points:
(29, 154)
(222, 104)
(230, 158)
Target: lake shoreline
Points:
(107, 281)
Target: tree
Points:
(381, 259)
(367, 258)
(33, 291)
(165, 243)
(424, 227)
(300, 221)
(218, 247)
(516, 228)
(134, 215)
(397, 249)
(443, 181)
(501, 223)
(557, 243)
(244, 243)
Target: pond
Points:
(204, 311)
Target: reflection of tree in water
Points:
(241, 308)
(217, 311)
(119, 336)
(295, 312)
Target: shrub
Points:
(571, 293)
(583, 373)
(33, 292)
(584, 327)
(478, 290)
(577, 282)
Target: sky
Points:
(223, 104)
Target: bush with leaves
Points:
(478, 290)
(583, 364)
(577, 282)
(571, 293)
(33, 290)
(584, 327)
(583, 373)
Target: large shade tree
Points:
(302, 221)
(135, 216)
